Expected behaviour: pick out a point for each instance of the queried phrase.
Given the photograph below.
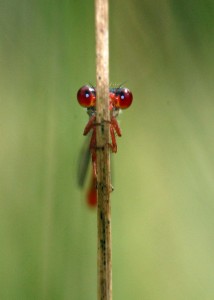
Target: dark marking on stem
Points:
(102, 128)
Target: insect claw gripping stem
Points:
(90, 125)
(119, 98)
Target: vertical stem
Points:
(103, 152)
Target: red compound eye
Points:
(86, 96)
(124, 98)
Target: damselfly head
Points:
(120, 97)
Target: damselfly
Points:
(119, 98)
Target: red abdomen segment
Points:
(92, 193)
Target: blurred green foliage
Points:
(163, 203)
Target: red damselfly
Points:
(119, 98)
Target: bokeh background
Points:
(163, 203)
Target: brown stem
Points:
(103, 152)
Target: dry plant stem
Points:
(103, 152)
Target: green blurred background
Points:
(163, 203)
